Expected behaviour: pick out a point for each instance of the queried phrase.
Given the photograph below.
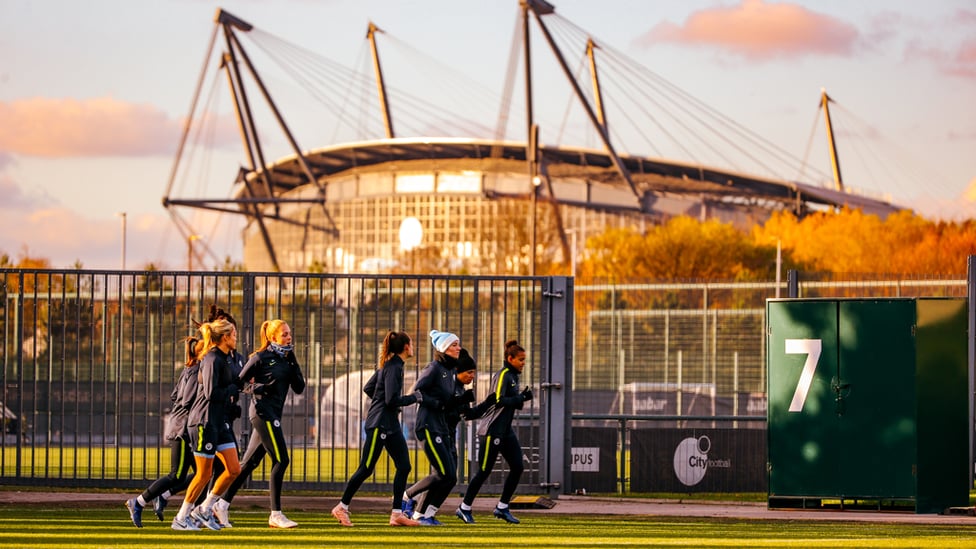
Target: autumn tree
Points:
(680, 249)
(850, 241)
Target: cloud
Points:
(960, 61)
(947, 45)
(963, 61)
(64, 236)
(953, 135)
(14, 198)
(760, 31)
(884, 28)
(969, 195)
(965, 17)
(6, 160)
(98, 127)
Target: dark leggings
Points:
(442, 479)
(489, 448)
(178, 478)
(373, 446)
(267, 438)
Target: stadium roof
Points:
(651, 175)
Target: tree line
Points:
(683, 248)
(847, 241)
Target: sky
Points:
(94, 96)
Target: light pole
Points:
(572, 248)
(189, 247)
(532, 159)
(779, 264)
(536, 181)
(123, 216)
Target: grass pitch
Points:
(30, 526)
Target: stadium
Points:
(481, 202)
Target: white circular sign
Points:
(691, 459)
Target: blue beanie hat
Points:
(442, 340)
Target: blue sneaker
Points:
(429, 521)
(187, 524)
(135, 511)
(204, 519)
(465, 516)
(158, 505)
(505, 515)
(408, 507)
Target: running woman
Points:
(233, 412)
(209, 426)
(437, 384)
(456, 409)
(178, 478)
(496, 435)
(383, 428)
(268, 375)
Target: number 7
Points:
(811, 348)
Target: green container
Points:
(868, 402)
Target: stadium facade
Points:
(472, 201)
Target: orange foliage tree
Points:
(851, 241)
(681, 249)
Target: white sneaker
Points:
(279, 520)
(186, 524)
(341, 515)
(222, 515)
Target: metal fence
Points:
(89, 359)
(688, 360)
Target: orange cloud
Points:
(63, 236)
(758, 30)
(85, 128)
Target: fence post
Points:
(970, 295)
(793, 283)
(247, 318)
(19, 364)
(555, 387)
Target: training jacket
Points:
(502, 402)
(385, 390)
(437, 383)
(274, 375)
(216, 391)
(183, 395)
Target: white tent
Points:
(344, 406)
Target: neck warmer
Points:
(280, 350)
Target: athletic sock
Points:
(465, 506)
(431, 511)
(184, 510)
(344, 506)
(141, 501)
(209, 502)
(502, 505)
(166, 495)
